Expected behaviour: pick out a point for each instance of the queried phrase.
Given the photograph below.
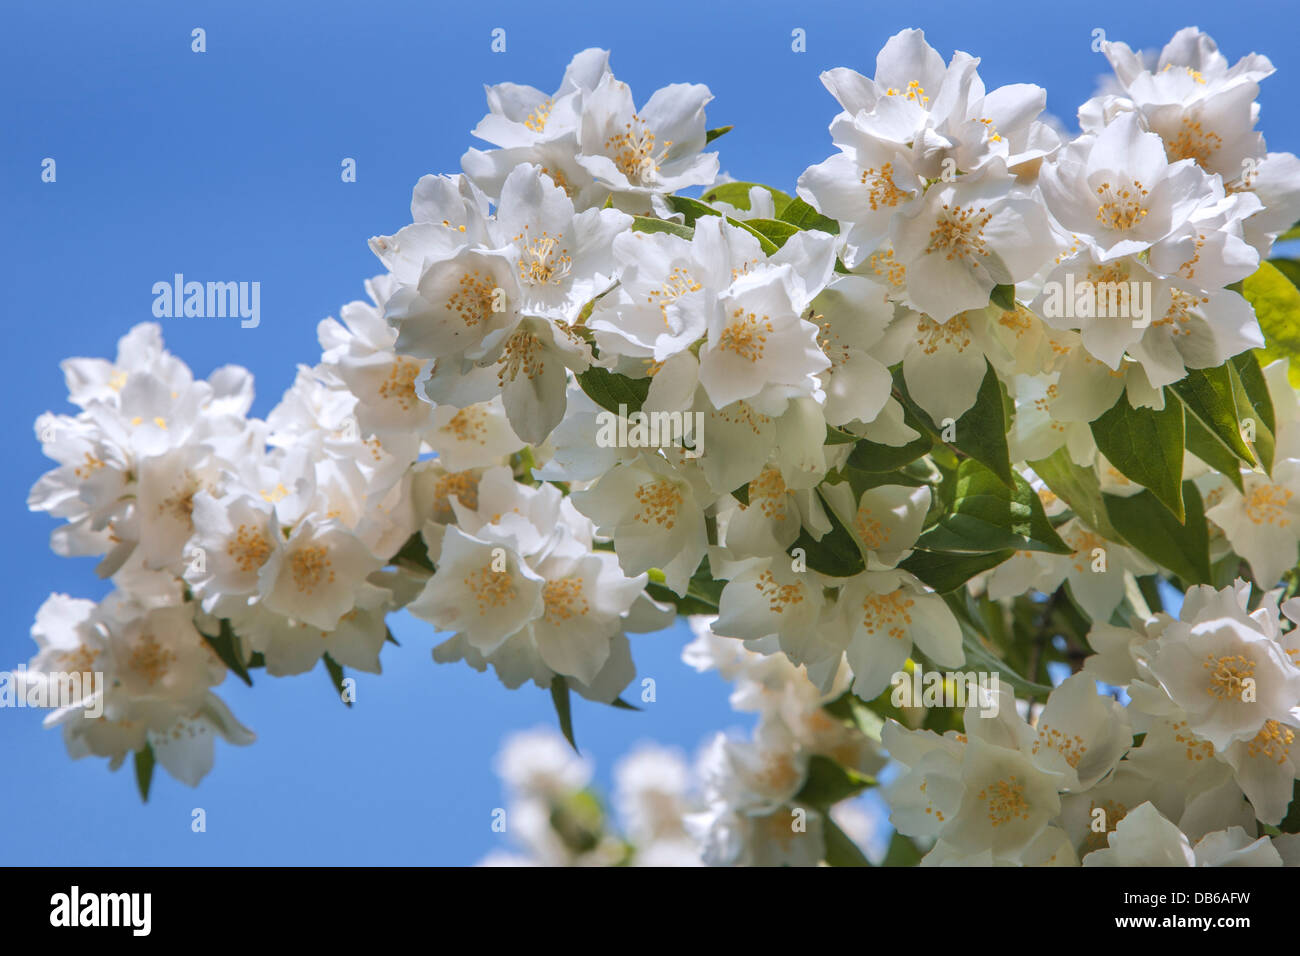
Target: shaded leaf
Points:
(947, 572)
(1256, 404)
(1207, 394)
(840, 850)
(1078, 488)
(144, 766)
(609, 389)
(560, 698)
(1182, 548)
(827, 783)
(987, 516)
(1146, 446)
(335, 671)
(871, 456)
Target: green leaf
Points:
(988, 516)
(691, 209)
(620, 704)
(1256, 405)
(335, 671)
(767, 245)
(1292, 233)
(1277, 306)
(388, 636)
(838, 436)
(1207, 393)
(799, 213)
(981, 433)
(686, 604)
(1210, 450)
(650, 224)
(1291, 822)
(902, 852)
(947, 572)
(711, 134)
(1004, 297)
(144, 764)
(560, 698)
(827, 783)
(774, 229)
(1146, 446)
(840, 850)
(227, 646)
(737, 194)
(1183, 548)
(609, 389)
(853, 711)
(1289, 268)
(415, 551)
(836, 554)
(979, 657)
(1078, 488)
(870, 456)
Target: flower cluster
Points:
(757, 801)
(973, 395)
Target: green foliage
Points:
(335, 671)
(650, 224)
(1277, 306)
(737, 194)
(560, 698)
(799, 213)
(987, 516)
(827, 783)
(1183, 548)
(144, 767)
(1146, 446)
(981, 433)
(609, 389)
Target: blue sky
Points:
(225, 166)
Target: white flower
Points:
(1224, 668)
(1118, 190)
(316, 575)
(966, 237)
(651, 511)
(880, 615)
(482, 589)
(1263, 523)
(637, 155)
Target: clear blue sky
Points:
(225, 165)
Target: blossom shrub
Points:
(978, 396)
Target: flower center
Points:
(959, 232)
(542, 261)
(635, 153)
(1121, 207)
(1006, 801)
(746, 335)
(887, 613)
(563, 599)
(660, 500)
(1227, 675)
